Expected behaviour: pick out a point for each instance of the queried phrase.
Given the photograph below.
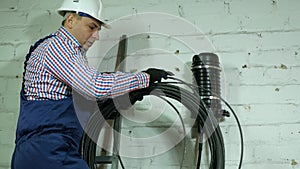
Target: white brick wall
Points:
(258, 44)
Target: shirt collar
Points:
(64, 33)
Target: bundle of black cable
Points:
(207, 124)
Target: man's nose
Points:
(95, 35)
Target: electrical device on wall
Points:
(206, 71)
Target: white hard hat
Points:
(90, 8)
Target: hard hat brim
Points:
(104, 24)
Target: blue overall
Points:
(48, 133)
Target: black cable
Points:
(183, 127)
(231, 109)
(214, 127)
(240, 131)
(121, 162)
(200, 144)
(188, 99)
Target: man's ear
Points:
(69, 21)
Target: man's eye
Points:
(92, 27)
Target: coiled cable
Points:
(231, 110)
(189, 99)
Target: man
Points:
(48, 132)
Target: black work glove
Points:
(136, 95)
(157, 74)
(126, 100)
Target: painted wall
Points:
(257, 43)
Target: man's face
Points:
(90, 41)
(85, 30)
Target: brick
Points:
(289, 133)
(202, 7)
(44, 19)
(14, 86)
(265, 22)
(256, 41)
(5, 166)
(232, 154)
(7, 136)
(282, 153)
(8, 51)
(269, 164)
(251, 134)
(29, 34)
(11, 69)
(233, 60)
(277, 75)
(20, 34)
(37, 5)
(146, 58)
(11, 102)
(170, 158)
(288, 7)
(15, 18)
(278, 136)
(21, 51)
(273, 58)
(216, 24)
(263, 94)
(3, 85)
(229, 77)
(236, 42)
(8, 122)
(264, 8)
(7, 5)
(256, 114)
(6, 154)
(280, 40)
(259, 148)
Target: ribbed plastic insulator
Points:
(206, 71)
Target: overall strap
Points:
(32, 48)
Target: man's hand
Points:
(126, 100)
(157, 74)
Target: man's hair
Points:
(70, 13)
